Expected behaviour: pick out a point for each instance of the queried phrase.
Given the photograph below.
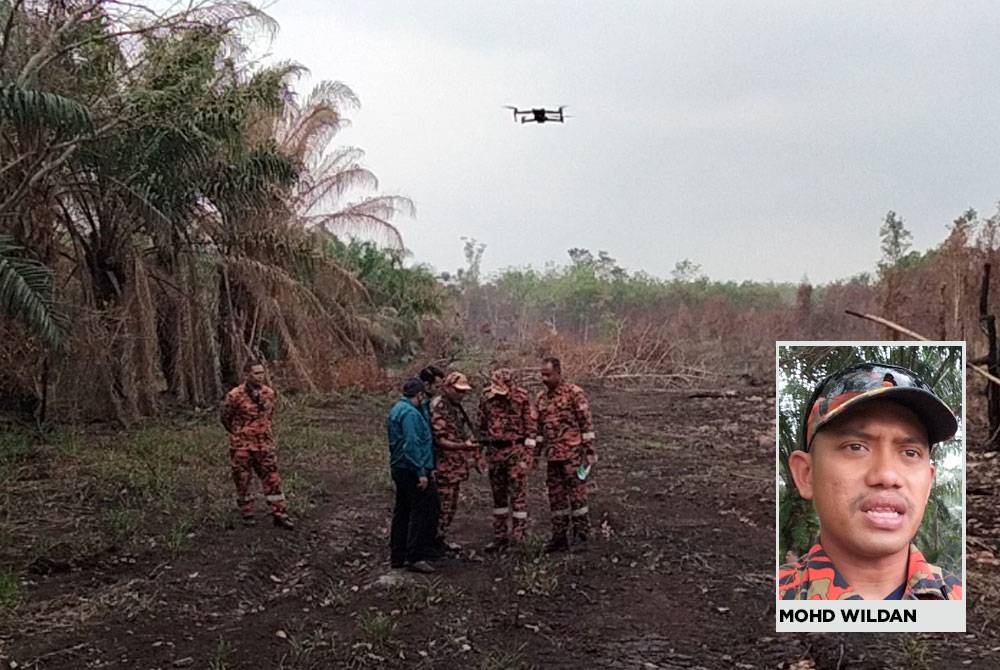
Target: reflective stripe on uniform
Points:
(580, 512)
(275, 498)
(520, 515)
(560, 512)
(501, 510)
(530, 442)
(588, 436)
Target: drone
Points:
(538, 115)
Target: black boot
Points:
(558, 542)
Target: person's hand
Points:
(422, 483)
(469, 444)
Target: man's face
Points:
(869, 474)
(256, 375)
(550, 376)
(453, 393)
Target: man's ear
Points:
(800, 463)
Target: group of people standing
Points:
(432, 445)
(433, 441)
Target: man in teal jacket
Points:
(411, 460)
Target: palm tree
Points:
(183, 197)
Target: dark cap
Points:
(412, 387)
(858, 384)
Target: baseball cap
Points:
(864, 382)
(501, 380)
(458, 381)
(413, 386)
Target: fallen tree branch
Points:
(889, 324)
(917, 336)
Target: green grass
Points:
(656, 445)
(419, 595)
(10, 590)
(337, 596)
(539, 576)
(505, 658)
(121, 523)
(222, 656)
(914, 652)
(377, 628)
(160, 481)
(531, 547)
(176, 539)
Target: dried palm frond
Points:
(267, 282)
(370, 216)
(333, 185)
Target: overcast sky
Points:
(760, 140)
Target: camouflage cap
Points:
(458, 381)
(864, 382)
(501, 380)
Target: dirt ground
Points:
(679, 575)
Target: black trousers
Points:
(414, 518)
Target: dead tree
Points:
(988, 323)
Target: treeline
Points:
(595, 305)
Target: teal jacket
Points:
(410, 444)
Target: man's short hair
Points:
(430, 373)
(413, 387)
(554, 362)
(252, 363)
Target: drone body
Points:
(539, 115)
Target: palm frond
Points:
(333, 94)
(338, 159)
(333, 185)
(26, 107)
(309, 132)
(367, 217)
(26, 293)
(270, 281)
(229, 13)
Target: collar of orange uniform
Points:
(563, 386)
(923, 580)
(822, 579)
